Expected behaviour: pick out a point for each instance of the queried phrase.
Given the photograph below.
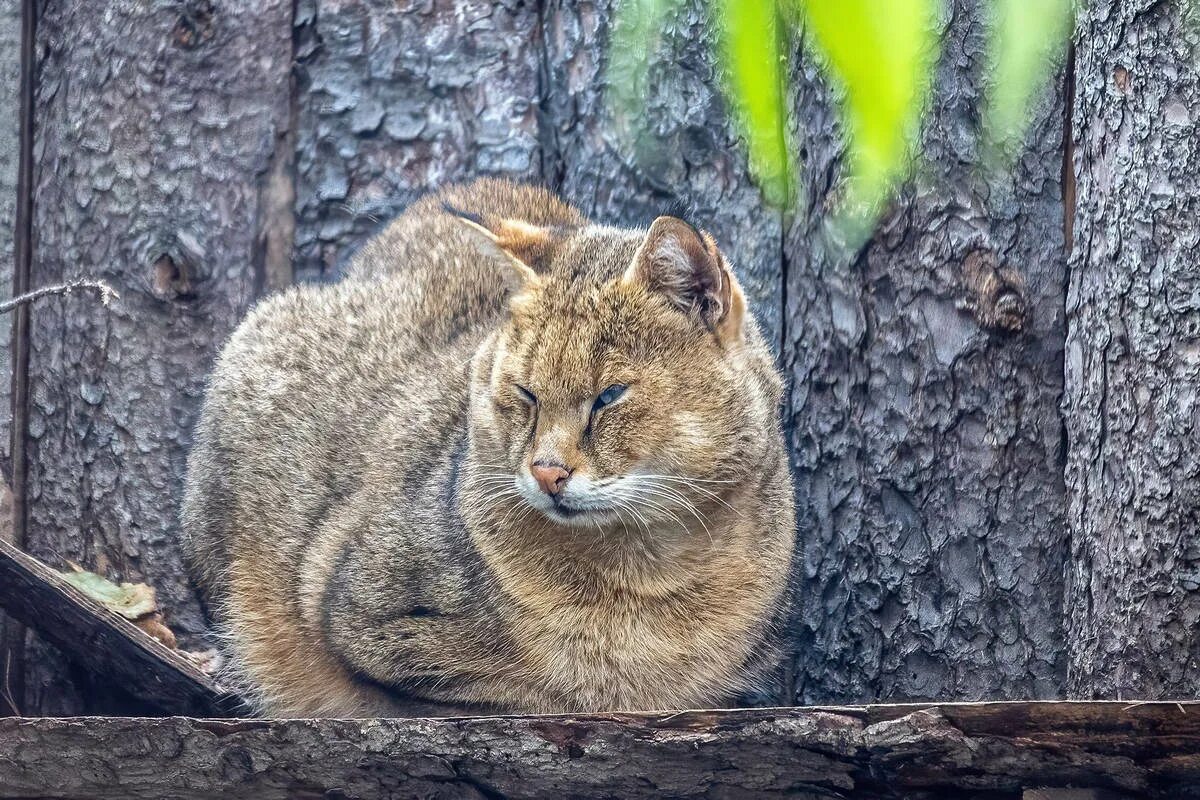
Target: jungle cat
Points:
(514, 462)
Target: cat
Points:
(514, 462)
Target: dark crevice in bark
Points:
(1068, 201)
(24, 258)
(273, 252)
(1068, 164)
(550, 158)
(786, 220)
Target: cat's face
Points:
(619, 392)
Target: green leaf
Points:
(756, 67)
(130, 600)
(882, 52)
(1024, 38)
(636, 35)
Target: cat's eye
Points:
(526, 395)
(609, 396)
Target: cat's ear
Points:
(684, 265)
(519, 243)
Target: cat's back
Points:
(450, 285)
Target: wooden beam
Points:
(995, 750)
(103, 641)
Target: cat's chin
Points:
(579, 517)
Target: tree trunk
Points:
(394, 98)
(156, 126)
(1133, 356)
(926, 373)
(10, 142)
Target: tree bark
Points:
(396, 98)
(992, 751)
(156, 124)
(1133, 356)
(926, 372)
(10, 140)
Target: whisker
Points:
(681, 478)
(708, 492)
(687, 505)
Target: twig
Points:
(7, 693)
(107, 293)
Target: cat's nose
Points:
(551, 477)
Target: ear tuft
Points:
(684, 265)
(522, 243)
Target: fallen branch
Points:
(106, 292)
(103, 641)
(994, 750)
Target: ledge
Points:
(954, 750)
(103, 641)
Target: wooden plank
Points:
(104, 641)
(158, 126)
(932, 751)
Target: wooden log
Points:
(994, 750)
(104, 641)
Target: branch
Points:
(103, 641)
(106, 292)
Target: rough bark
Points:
(682, 156)
(10, 82)
(926, 373)
(155, 126)
(396, 98)
(987, 751)
(103, 641)
(1133, 356)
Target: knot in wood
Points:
(169, 279)
(995, 294)
(195, 25)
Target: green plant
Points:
(881, 53)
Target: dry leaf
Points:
(154, 626)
